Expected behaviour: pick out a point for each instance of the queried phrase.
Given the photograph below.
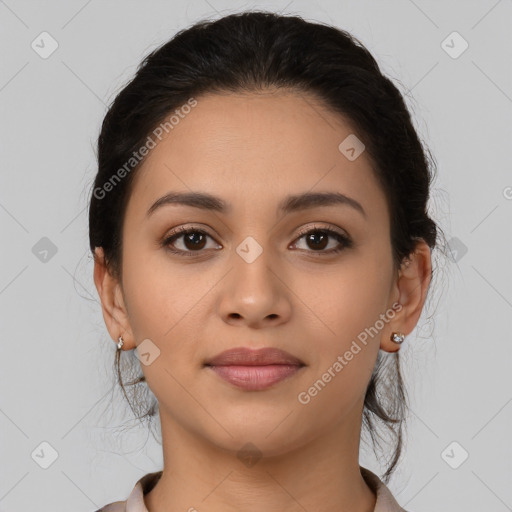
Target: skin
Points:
(252, 150)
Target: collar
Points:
(385, 502)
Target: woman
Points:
(262, 245)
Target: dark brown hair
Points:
(251, 51)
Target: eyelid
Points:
(302, 231)
(327, 226)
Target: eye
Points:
(318, 239)
(194, 240)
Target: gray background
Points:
(56, 364)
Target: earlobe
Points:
(112, 303)
(412, 285)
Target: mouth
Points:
(254, 370)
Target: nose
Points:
(254, 294)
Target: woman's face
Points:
(253, 279)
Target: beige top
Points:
(135, 502)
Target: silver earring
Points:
(398, 337)
(120, 342)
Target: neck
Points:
(320, 476)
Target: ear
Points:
(410, 290)
(112, 302)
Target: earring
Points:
(120, 342)
(398, 337)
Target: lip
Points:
(254, 370)
(255, 378)
(243, 356)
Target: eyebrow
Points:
(289, 204)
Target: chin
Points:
(266, 437)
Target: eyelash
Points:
(344, 240)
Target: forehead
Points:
(256, 147)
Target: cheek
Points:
(158, 295)
(345, 348)
(344, 318)
(166, 304)
(160, 303)
(347, 300)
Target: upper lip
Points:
(253, 357)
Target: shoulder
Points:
(135, 501)
(385, 501)
(116, 506)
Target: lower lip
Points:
(254, 378)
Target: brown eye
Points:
(318, 239)
(193, 240)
